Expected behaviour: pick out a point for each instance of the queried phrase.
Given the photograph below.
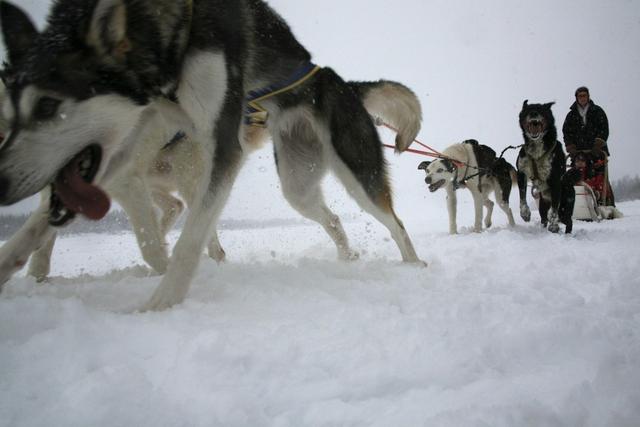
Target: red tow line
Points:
(431, 152)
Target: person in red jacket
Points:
(588, 170)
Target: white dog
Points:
(475, 167)
(154, 171)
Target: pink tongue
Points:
(80, 196)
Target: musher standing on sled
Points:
(586, 129)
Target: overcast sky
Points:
(472, 64)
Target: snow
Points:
(507, 327)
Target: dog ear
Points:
(18, 31)
(448, 164)
(548, 105)
(424, 165)
(525, 104)
(107, 32)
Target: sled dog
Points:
(542, 161)
(157, 170)
(154, 172)
(475, 167)
(82, 85)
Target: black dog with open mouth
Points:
(543, 162)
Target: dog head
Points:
(439, 172)
(537, 122)
(73, 94)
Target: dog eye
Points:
(46, 108)
(440, 170)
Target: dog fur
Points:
(543, 162)
(206, 58)
(480, 172)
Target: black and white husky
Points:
(473, 166)
(542, 161)
(80, 87)
(144, 187)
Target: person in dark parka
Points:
(586, 126)
(586, 130)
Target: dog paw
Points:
(164, 297)
(156, 257)
(218, 254)
(418, 263)
(554, 227)
(525, 213)
(349, 255)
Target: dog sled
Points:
(594, 196)
(589, 208)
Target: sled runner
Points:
(586, 204)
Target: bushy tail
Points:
(394, 103)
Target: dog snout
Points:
(428, 180)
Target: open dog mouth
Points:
(436, 185)
(535, 129)
(72, 192)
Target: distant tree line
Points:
(627, 188)
(116, 222)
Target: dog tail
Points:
(503, 168)
(514, 176)
(394, 103)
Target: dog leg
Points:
(452, 209)
(213, 189)
(301, 168)
(567, 202)
(135, 199)
(188, 155)
(171, 208)
(543, 209)
(215, 248)
(379, 205)
(31, 236)
(525, 212)
(477, 205)
(202, 214)
(504, 205)
(553, 221)
(381, 208)
(487, 219)
(40, 262)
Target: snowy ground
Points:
(505, 328)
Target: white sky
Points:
(473, 63)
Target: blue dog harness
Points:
(255, 114)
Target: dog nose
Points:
(428, 180)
